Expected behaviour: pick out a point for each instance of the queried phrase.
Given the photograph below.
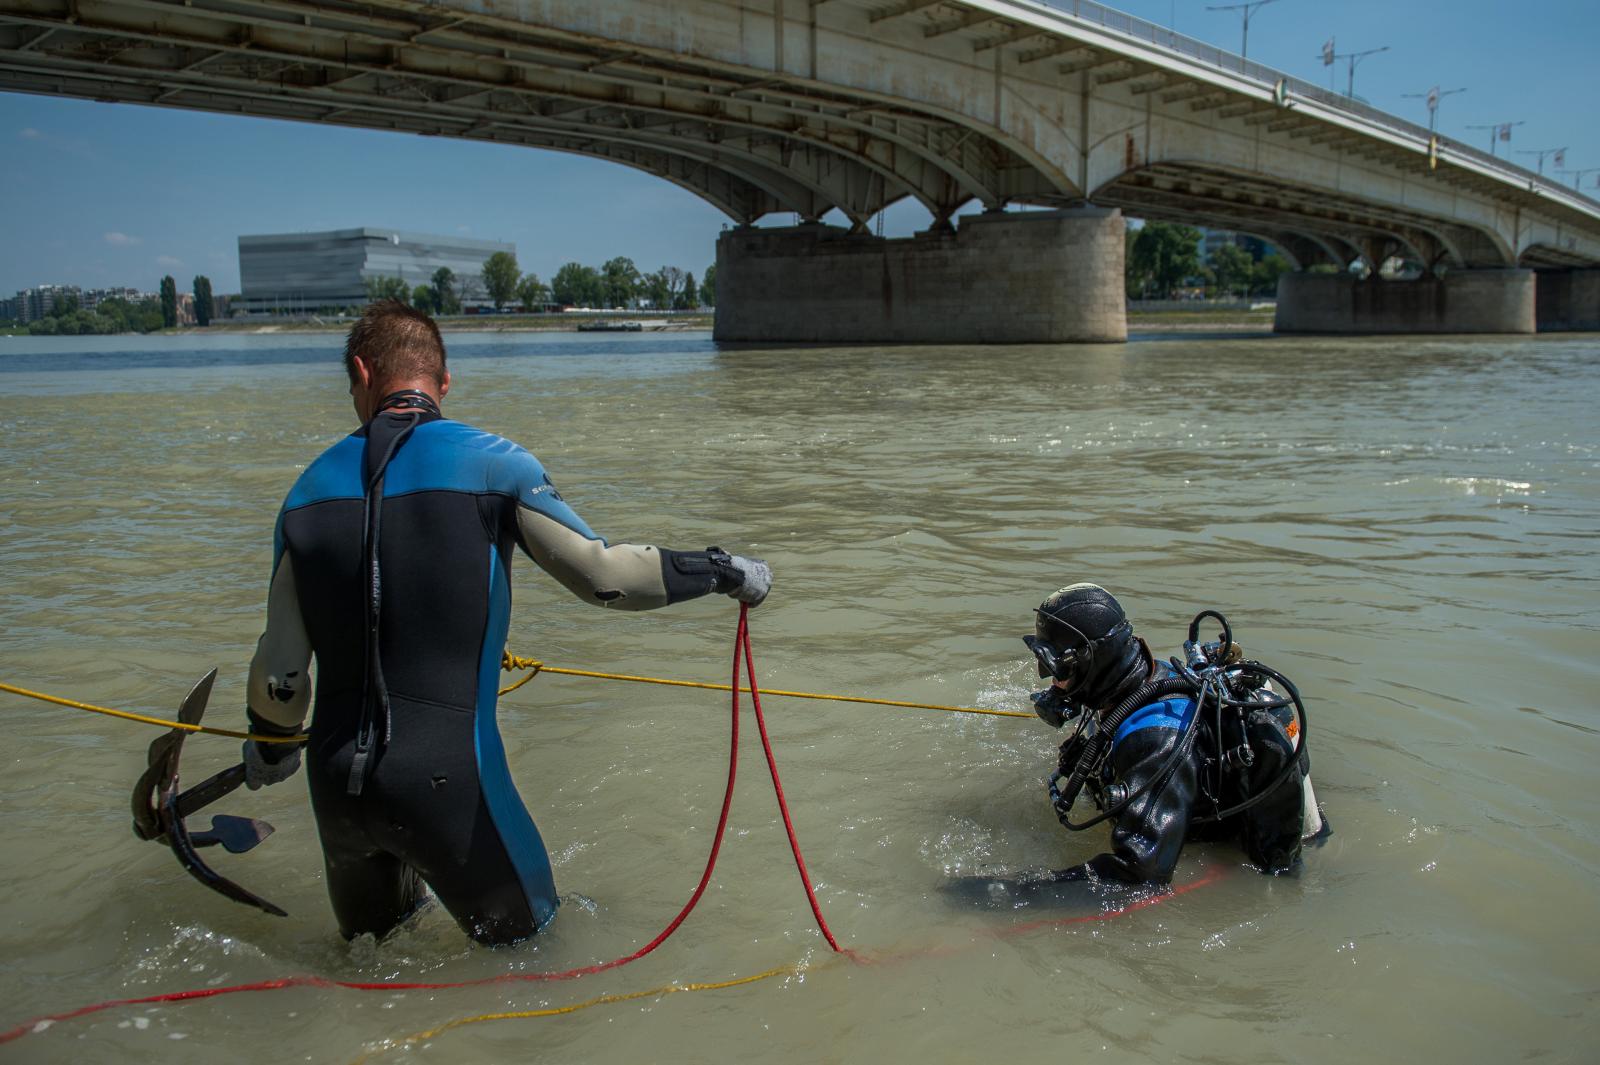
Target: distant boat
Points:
(611, 327)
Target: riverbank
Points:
(1211, 322)
(485, 323)
(1164, 321)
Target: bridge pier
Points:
(1035, 277)
(1462, 301)
(1568, 301)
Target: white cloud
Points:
(28, 133)
(121, 240)
(167, 260)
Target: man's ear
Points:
(363, 371)
(444, 385)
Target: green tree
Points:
(531, 292)
(655, 289)
(500, 275)
(621, 280)
(576, 285)
(203, 304)
(1264, 275)
(44, 327)
(64, 307)
(169, 302)
(445, 299)
(708, 287)
(422, 299)
(689, 295)
(1136, 283)
(1164, 255)
(386, 288)
(150, 317)
(1233, 266)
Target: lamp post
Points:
(1329, 56)
(1433, 96)
(1577, 176)
(1247, 10)
(1559, 153)
(1500, 131)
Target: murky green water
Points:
(1406, 528)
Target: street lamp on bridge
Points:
(1248, 11)
(1500, 131)
(1433, 96)
(1577, 176)
(1329, 57)
(1559, 153)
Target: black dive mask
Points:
(1072, 665)
(1054, 663)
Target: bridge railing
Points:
(1146, 32)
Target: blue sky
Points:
(102, 194)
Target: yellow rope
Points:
(510, 661)
(509, 1015)
(144, 719)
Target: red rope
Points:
(740, 640)
(772, 765)
(741, 649)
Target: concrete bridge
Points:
(1055, 118)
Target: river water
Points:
(1405, 527)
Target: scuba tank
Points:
(1243, 708)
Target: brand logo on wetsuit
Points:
(543, 488)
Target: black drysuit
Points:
(1147, 836)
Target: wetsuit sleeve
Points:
(625, 576)
(280, 690)
(1147, 837)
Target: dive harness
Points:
(1216, 677)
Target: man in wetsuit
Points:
(1086, 646)
(392, 564)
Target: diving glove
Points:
(745, 579)
(269, 763)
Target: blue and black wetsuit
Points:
(392, 564)
(1148, 836)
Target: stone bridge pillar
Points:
(1033, 277)
(1568, 301)
(1463, 301)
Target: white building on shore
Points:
(297, 273)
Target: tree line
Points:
(618, 283)
(67, 316)
(1163, 257)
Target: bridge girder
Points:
(880, 154)
(1205, 194)
(808, 107)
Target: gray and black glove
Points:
(269, 763)
(755, 579)
(688, 574)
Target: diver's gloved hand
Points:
(745, 579)
(269, 763)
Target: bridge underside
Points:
(807, 107)
(748, 144)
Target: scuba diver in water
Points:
(1208, 748)
(392, 564)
